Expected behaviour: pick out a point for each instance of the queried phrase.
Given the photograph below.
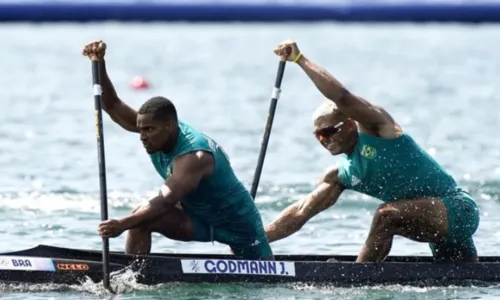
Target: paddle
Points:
(102, 167)
(267, 132)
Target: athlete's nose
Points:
(143, 137)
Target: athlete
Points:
(201, 198)
(422, 201)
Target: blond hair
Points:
(326, 108)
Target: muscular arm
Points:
(119, 111)
(372, 118)
(295, 216)
(188, 171)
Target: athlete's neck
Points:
(170, 144)
(352, 144)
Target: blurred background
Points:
(432, 65)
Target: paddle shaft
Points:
(102, 167)
(269, 124)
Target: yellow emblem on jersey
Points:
(368, 151)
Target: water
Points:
(437, 81)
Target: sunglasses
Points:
(325, 133)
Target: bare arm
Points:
(372, 118)
(189, 170)
(118, 110)
(296, 215)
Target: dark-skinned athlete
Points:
(201, 198)
(422, 202)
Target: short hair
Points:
(161, 108)
(326, 108)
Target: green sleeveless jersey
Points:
(220, 199)
(393, 169)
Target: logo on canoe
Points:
(195, 266)
(368, 151)
(20, 263)
(73, 267)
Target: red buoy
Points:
(139, 82)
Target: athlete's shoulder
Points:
(189, 133)
(193, 138)
(370, 139)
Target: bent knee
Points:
(385, 216)
(140, 228)
(140, 206)
(387, 211)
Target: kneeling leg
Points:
(455, 251)
(174, 224)
(423, 220)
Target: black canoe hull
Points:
(44, 264)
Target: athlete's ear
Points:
(171, 125)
